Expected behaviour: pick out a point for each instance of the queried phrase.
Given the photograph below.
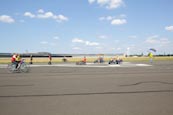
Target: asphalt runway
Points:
(128, 89)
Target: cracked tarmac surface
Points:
(62, 90)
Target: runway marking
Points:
(15, 85)
(144, 82)
(143, 65)
(3, 65)
(125, 64)
(89, 93)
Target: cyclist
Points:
(84, 60)
(17, 64)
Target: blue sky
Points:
(86, 26)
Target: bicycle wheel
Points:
(11, 68)
(24, 68)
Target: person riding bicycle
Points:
(112, 61)
(17, 64)
(84, 60)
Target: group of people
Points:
(99, 60)
(49, 62)
(115, 60)
(16, 59)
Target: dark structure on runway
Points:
(39, 54)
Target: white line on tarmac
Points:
(143, 65)
(87, 65)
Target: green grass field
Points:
(89, 59)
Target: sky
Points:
(86, 26)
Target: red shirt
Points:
(50, 57)
(13, 58)
(84, 60)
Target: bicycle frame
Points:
(22, 67)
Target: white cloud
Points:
(48, 44)
(91, 1)
(115, 4)
(152, 39)
(87, 43)
(29, 14)
(78, 40)
(169, 28)
(122, 16)
(103, 2)
(40, 11)
(132, 37)
(118, 48)
(102, 37)
(52, 44)
(46, 15)
(76, 48)
(60, 18)
(118, 21)
(101, 18)
(56, 37)
(164, 41)
(6, 19)
(100, 48)
(109, 18)
(115, 20)
(157, 40)
(106, 18)
(41, 14)
(44, 42)
(109, 4)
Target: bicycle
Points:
(80, 63)
(21, 68)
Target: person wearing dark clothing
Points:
(31, 58)
(50, 59)
(64, 59)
